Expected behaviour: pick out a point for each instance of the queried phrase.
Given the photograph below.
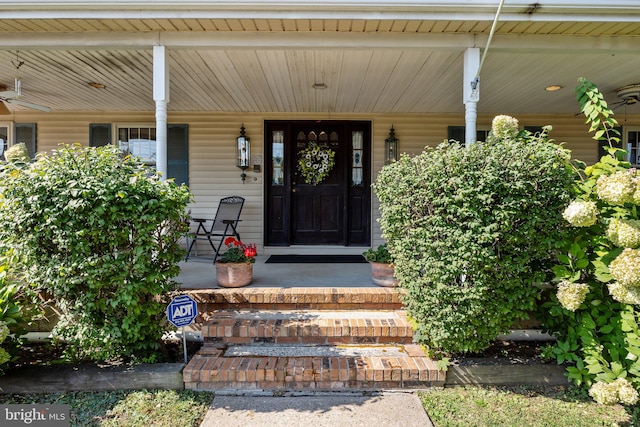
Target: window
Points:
(631, 142)
(140, 141)
(357, 157)
(277, 157)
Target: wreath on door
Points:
(315, 163)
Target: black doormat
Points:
(316, 259)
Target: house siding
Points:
(212, 170)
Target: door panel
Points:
(335, 211)
(317, 209)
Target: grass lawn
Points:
(522, 407)
(157, 408)
(461, 406)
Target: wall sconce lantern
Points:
(244, 152)
(391, 147)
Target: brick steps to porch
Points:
(308, 327)
(296, 348)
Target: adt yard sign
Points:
(182, 310)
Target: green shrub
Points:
(472, 231)
(380, 254)
(99, 233)
(594, 311)
(16, 309)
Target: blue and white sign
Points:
(182, 311)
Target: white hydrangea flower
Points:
(603, 393)
(616, 189)
(624, 233)
(504, 127)
(636, 194)
(581, 213)
(624, 294)
(626, 393)
(4, 331)
(626, 268)
(571, 295)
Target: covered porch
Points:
(200, 273)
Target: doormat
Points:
(316, 259)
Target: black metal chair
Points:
(224, 225)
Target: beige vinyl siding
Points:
(212, 170)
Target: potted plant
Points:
(234, 268)
(382, 268)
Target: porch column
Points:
(161, 97)
(471, 93)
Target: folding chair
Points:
(223, 226)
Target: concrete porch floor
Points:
(200, 273)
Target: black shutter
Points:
(99, 134)
(178, 153)
(26, 132)
(456, 133)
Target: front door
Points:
(318, 187)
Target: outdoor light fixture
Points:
(391, 147)
(244, 152)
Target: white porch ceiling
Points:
(270, 65)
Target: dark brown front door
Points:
(334, 211)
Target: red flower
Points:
(250, 250)
(232, 241)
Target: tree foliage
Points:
(472, 231)
(99, 233)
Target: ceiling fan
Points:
(629, 94)
(13, 97)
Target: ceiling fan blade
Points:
(29, 105)
(8, 94)
(3, 109)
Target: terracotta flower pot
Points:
(382, 274)
(234, 274)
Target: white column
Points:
(161, 97)
(471, 93)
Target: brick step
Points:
(299, 367)
(250, 298)
(307, 327)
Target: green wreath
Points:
(315, 163)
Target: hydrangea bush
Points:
(595, 309)
(473, 231)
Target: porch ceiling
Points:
(270, 65)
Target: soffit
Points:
(412, 26)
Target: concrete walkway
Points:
(388, 409)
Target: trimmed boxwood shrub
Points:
(473, 230)
(99, 233)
